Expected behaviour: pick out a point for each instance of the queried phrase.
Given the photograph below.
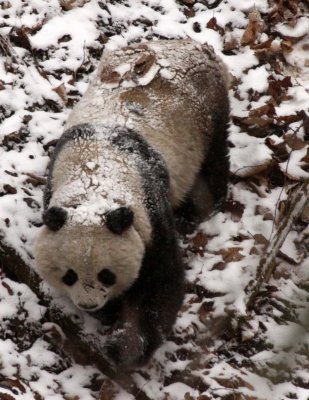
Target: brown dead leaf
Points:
(5, 5)
(14, 137)
(254, 28)
(35, 180)
(255, 125)
(188, 2)
(231, 254)
(294, 142)
(287, 46)
(189, 12)
(269, 52)
(276, 176)
(277, 87)
(197, 27)
(286, 82)
(32, 203)
(249, 35)
(283, 10)
(260, 239)
(267, 109)
(6, 396)
(212, 24)
(19, 37)
(230, 45)
(9, 189)
(219, 266)
(10, 292)
(274, 89)
(293, 39)
(27, 118)
(67, 5)
(257, 188)
(260, 122)
(279, 149)
(200, 239)
(207, 306)
(108, 75)
(107, 391)
(288, 119)
(8, 383)
(143, 64)
(263, 45)
(265, 211)
(234, 383)
(293, 6)
(253, 170)
(282, 208)
(203, 312)
(235, 208)
(254, 251)
(61, 92)
(305, 119)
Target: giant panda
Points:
(146, 143)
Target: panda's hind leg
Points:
(211, 184)
(216, 166)
(198, 204)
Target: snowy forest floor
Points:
(219, 348)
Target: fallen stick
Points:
(84, 348)
(297, 201)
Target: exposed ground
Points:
(220, 348)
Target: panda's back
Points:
(166, 91)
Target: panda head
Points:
(92, 264)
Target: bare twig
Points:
(297, 201)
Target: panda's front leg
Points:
(150, 306)
(133, 340)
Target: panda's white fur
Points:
(90, 177)
(167, 91)
(148, 136)
(122, 254)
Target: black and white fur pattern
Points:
(147, 139)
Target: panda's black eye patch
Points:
(107, 277)
(70, 277)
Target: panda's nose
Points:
(87, 307)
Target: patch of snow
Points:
(300, 29)
(64, 45)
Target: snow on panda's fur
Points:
(147, 140)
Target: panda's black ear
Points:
(119, 220)
(54, 218)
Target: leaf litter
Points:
(48, 51)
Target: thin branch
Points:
(297, 201)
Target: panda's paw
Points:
(125, 349)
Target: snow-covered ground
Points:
(48, 51)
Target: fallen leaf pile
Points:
(218, 349)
